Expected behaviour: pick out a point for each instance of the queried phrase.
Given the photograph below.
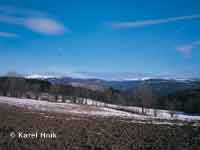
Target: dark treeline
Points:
(143, 95)
(33, 88)
(187, 101)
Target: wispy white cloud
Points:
(136, 24)
(45, 25)
(186, 49)
(8, 34)
(33, 20)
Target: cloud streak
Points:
(8, 35)
(137, 24)
(187, 48)
(32, 20)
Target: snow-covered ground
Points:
(155, 113)
(104, 110)
(62, 107)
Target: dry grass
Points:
(84, 133)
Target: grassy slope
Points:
(78, 133)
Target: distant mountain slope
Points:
(152, 93)
(160, 86)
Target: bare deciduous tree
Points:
(145, 96)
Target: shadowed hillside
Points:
(144, 95)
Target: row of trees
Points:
(187, 101)
(142, 96)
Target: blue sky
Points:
(69, 37)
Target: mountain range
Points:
(158, 84)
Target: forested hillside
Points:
(143, 95)
(187, 101)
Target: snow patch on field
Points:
(152, 113)
(127, 113)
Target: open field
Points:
(79, 132)
(130, 114)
